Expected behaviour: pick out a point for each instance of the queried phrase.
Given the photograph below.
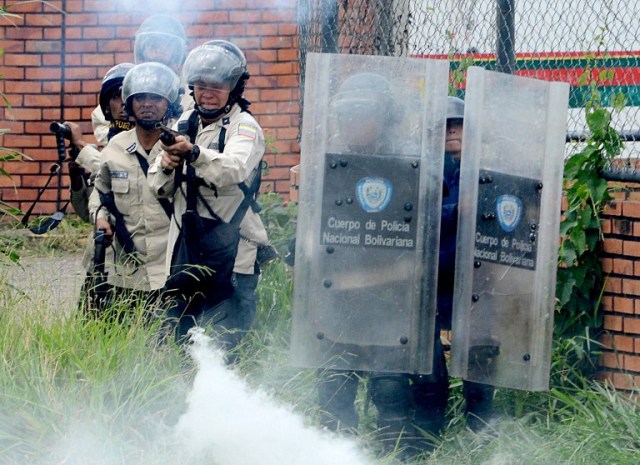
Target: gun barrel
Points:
(59, 128)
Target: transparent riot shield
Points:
(369, 213)
(509, 216)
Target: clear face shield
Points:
(357, 120)
(167, 49)
(212, 64)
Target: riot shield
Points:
(508, 234)
(369, 213)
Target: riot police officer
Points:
(83, 168)
(160, 38)
(407, 405)
(122, 202)
(478, 397)
(224, 147)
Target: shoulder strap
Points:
(164, 203)
(189, 126)
(122, 233)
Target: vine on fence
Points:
(581, 279)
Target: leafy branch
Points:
(581, 279)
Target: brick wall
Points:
(620, 362)
(53, 64)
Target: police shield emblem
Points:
(373, 194)
(509, 210)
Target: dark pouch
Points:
(204, 255)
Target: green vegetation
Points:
(117, 388)
(581, 280)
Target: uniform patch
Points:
(119, 174)
(131, 148)
(213, 146)
(247, 130)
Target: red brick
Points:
(623, 343)
(27, 33)
(622, 226)
(631, 248)
(81, 73)
(632, 363)
(611, 360)
(51, 60)
(277, 42)
(631, 325)
(630, 286)
(23, 60)
(101, 59)
(84, 46)
(239, 16)
(613, 285)
(274, 95)
(613, 208)
(612, 246)
(97, 33)
(261, 55)
(288, 54)
(623, 381)
(82, 20)
(606, 225)
(37, 74)
(607, 264)
(623, 305)
(287, 133)
(613, 323)
(607, 340)
(43, 19)
(52, 34)
(231, 30)
(26, 114)
(280, 15)
(631, 209)
(622, 266)
(289, 81)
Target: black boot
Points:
(479, 404)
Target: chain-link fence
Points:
(591, 44)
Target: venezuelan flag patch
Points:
(247, 130)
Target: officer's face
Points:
(116, 106)
(149, 106)
(160, 48)
(453, 141)
(211, 96)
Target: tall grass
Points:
(112, 387)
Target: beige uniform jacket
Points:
(243, 151)
(120, 172)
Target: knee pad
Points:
(391, 394)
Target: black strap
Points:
(221, 139)
(164, 203)
(193, 192)
(122, 233)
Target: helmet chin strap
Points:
(212, 114)
(148, 124)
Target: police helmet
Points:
(152, 78)
(217, 62)
(366, 95)
(165, 36)
(455, 108)
(112, 84)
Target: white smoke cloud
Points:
(228, 422)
